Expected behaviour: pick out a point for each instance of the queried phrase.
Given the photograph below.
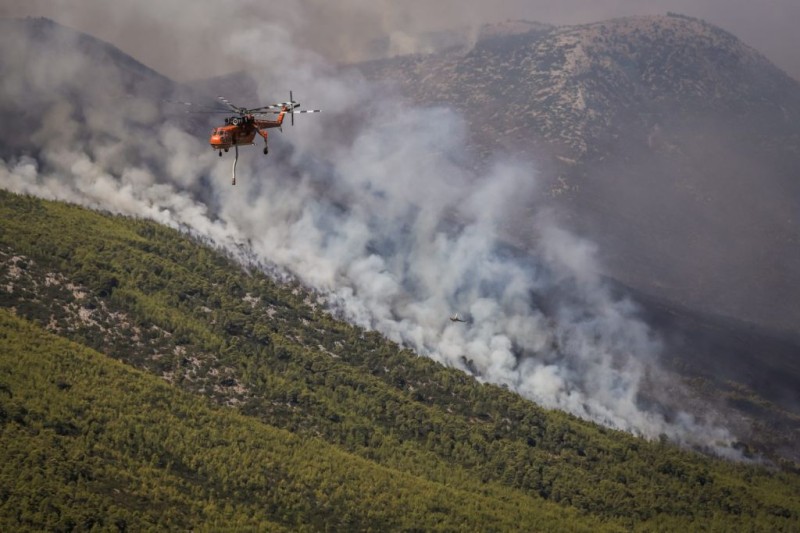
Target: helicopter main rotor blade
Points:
(279, 112)
(283, 105)
(196, 108)
(240, 110)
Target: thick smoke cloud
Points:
(386, 218)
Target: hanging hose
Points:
(235, 159)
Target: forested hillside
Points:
(317, 423)
(90, 442)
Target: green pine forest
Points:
(148, 381)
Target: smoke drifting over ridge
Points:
(386, 219)
(344, 31)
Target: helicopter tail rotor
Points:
(291, 106)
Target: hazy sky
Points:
(186, 39)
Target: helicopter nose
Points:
(216, 140)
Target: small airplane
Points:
(456, 318)
(241, 129)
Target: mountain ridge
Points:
(652, 135)
(550, 81)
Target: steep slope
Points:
(670, 142)
(157, 300)
(88, 442)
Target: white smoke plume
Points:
(385, 216)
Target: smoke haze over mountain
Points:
(196, 33)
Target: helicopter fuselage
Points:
(241, 131)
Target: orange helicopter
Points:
(241, 129)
